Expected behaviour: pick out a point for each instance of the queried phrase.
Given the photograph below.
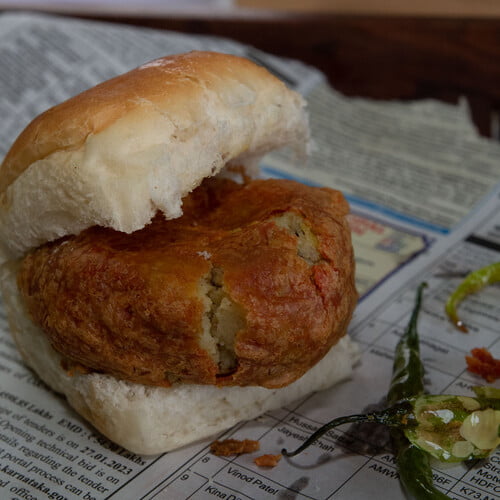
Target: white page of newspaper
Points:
(425, 199)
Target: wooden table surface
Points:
(383, 56)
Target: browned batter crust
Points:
(269, 263)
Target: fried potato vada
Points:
(222, 295)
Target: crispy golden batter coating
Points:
(251, 286)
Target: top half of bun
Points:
(138, 143)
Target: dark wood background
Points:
(379, 56)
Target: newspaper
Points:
(424, 190)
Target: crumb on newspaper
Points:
(482, 363)
(229, 447)
(267, 460)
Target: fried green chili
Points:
(449, 428)
(472, 283)
(415, 472)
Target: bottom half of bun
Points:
(150, 420)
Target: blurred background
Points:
(383, 49)
(476, 8)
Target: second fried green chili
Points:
(473, 282)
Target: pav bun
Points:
(136, 144)
(165, 300)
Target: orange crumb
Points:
(234, 447)
(484, 364)
(267, 460)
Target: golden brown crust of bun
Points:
(270, 260)
(120, 152)
(169, 82)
